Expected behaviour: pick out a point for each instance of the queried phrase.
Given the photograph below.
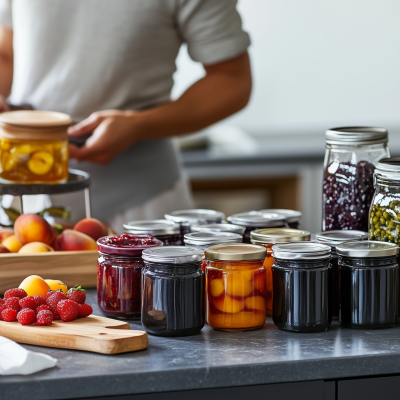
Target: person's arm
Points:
(223, 91)
(6, 65)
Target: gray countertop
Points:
(211, 359)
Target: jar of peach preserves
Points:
(235, 287)
(34, 147)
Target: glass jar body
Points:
(173, 299)
(348, 185)
(302, 295)
(235, 294)
(368, 292)
(118, 285)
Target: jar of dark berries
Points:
(119, 269)
(348, 186)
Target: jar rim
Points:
(367, 249)
(301, 251)
(290, 215)
(196, 215)
(219, 227)
(153, 227)
(258, 219)
(236, 252)
(211, 238)
(335, 237)
(173, 254)
(356, 135)
(279, 235)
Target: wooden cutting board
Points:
(96, 334)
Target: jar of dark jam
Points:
(269, 237)
(253, 220)
(173, 291)
(118, 273)
(368, 282)
(169, 232)
(333, 239)
(293, 217)
(350, 159)
(302, 287)
(219, 228)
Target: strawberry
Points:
(49, 293)
(9, 315)
(26, 316)
(39, 300)
(28, 302)
(13, 302)
(53, 300)
(77, 294)
(16, 292)
(44, 317)
(43, 307)
(85, 310)
(68, 310)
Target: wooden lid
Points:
(35, 119)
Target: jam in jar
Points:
(118, 273)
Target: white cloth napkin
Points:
(15, 360)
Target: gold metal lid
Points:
(35, 118)
(279, 235)
(236, 252)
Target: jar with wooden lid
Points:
(34, 147)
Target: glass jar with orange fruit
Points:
(269, 237)
(235, 287)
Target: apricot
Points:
(5, 233)
(57, 285)
(228, 305)
(4, 249)
(40, 162)
(35, 285)
(71, 240)
(255, 303)
(216, 287)
(240, 320)
(33, 228)
(12, 244)
(35, 247)
(91, 227)
(237, 285)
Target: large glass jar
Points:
(293, 217)
(350, 159)
(118, 273)
(219, 228)
(173, 291)
(302, 287)
(368, 281)
(269, 237)
(34, 147)
(169, 232)
(235, 287)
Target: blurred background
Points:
(316, 65)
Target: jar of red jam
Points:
(169, 232)
(293, 217)
(118, 273)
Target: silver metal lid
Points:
(258, 220)
(334, 238)
(301, 251)
(354, 135)
(388, 168)
(211, 238)
(153, 227)
(219, 228)
(195, 216)
(236, 252)
(290, 215)
(279, 235)
(367, 249)
(174, 255)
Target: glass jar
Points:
(118, 273)
(350, 159)
(253, 220)
(219, 228)
(368, 281)
(269, 237)
(34, 147)
(168, 232)
(333, 239)
(302, 287)
(293, 217)
(235, 287)
(173, 291)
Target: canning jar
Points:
(34, 147)
(301, 283)
(219, 228)
(368, 281)
(118, 273)
(169, 232)
(235, 287)
(253, 220)
(292, 217)
(269, 237)
(350, 158)
(173, 291)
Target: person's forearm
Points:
(6, 61)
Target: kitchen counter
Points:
(211, 359)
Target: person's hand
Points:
(3, 104)
(112, 131)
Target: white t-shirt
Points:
(82, 56)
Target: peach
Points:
(71, 240)
(216, 287)
(12, 244)
(255, 303)
(35, 247)
(33, 228)
(57, 285)
(4, 249)
(91, 227)
(5, 233)
(228, 305)
(237, 285)
(35, 285)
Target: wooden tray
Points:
(70, 267)
(95, 334)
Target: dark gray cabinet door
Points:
(387, 388)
